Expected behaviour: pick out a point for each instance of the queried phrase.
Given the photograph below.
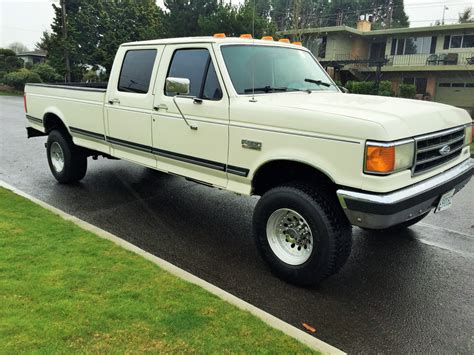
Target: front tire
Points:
(67, 162)
(302, 233)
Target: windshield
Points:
(277, 69)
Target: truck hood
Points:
(400, 118)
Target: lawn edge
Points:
(274, 322)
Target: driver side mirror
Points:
(177, 86)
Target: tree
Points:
(96, 28)
(467, 16)
(18, 47)
(236, 20)
(183, 16)
(9, 61)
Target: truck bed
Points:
(79, 105)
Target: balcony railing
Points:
(460, 58)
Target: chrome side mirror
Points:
(177, 86)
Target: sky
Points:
(25, 20)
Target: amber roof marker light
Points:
(297, 43)
(284, 40)
(246, 35)
(267, 38)
(219, 35)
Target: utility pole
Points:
(66, 51)
(444, 13)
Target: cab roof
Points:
(209, 39)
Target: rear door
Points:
(197, 153)
(129, 103)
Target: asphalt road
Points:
(412, 292)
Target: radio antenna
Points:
(253, 52)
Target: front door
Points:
(129, 103)
(199, 152)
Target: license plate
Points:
(446, 201)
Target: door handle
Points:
(114, 101)
(160, 107)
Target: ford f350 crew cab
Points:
(264, 118)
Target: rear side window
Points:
(196, 65)
(135, 74)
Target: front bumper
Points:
(379, 211)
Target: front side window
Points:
(196, 65)
(137, 67)
(266, 69)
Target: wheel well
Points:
(52, 121)
(278, 172)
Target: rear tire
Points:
(302, 233)
(67, 162)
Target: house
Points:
(439, 60)
(32, 57)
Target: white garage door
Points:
(456, 92)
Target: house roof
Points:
(385, 32)
(32, 54)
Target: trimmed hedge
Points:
(19, 78)
(407, 91)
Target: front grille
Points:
(428, 149)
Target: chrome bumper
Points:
(379, 211)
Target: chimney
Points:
(364, 26)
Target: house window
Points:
(456, 42)
(413, 45)
(468, 41)
(459, 41)
(444, 85)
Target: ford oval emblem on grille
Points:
(445, 150)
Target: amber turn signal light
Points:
(380, 159)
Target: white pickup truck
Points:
(262, 117)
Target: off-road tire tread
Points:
(78, 163)
(324, 197)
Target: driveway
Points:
(411, 292)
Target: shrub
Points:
(407, 91)
(362, 87)
(47, 73)
(385, 88)
(90, 76)
(19, 78)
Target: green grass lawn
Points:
(11, 93)
(64, 289)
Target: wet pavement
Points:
(412, 292)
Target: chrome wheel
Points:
(289, 236)
(57, 157)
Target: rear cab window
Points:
(137, 67)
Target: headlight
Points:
(388, 158)
(468, 135)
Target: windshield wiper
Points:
(268, 89)
(318, 82)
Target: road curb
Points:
(269, 319)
